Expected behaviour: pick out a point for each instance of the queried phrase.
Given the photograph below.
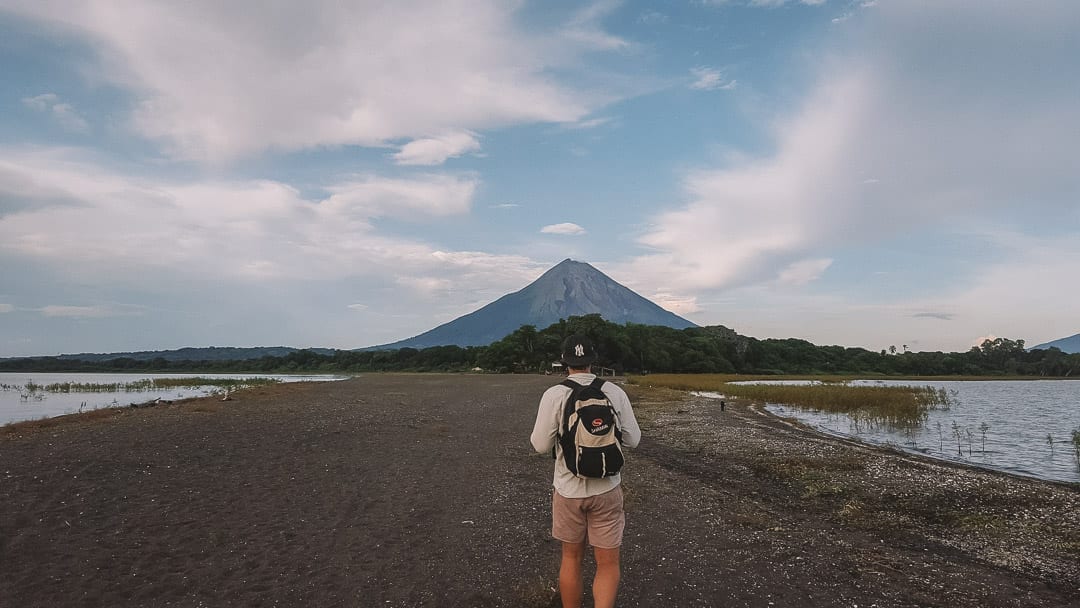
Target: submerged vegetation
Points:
(1076, 445)
(897, 406)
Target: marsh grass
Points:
(852, 509)
(897, 406)
(815, 477)
(981, 521)
(148, 384)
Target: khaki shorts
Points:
(600, 519)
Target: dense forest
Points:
(626, 348)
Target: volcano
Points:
(568, 289)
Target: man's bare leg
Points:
(606, 584)
(570, 585)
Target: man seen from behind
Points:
(585, 509)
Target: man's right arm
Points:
(546, 429)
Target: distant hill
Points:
(568, 289)
(211, 353)
(1065, 345)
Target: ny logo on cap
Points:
(579, 350)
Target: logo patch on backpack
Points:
(589, 435)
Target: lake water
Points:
(18, 404)
(1002, 425)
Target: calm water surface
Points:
(1001, 424)
(17, 404)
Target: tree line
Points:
(629, 348)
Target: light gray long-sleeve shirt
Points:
(546, 431)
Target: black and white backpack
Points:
(589, 433)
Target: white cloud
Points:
(216, 81)
(41, 102)
(583, 28)
(591, 123)
(63, 113)
(79, 312)
(436, 150)
(652, 18)
(505, 206)
(373, 196)
(940, 316)
(760, 3)
(709, 79)
(804, 271)
(564, 228)
(680, 305)
(776, 3)
(427, 285)
(69, 118)
(851, 13)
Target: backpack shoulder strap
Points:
(575, 388)
(597, 383)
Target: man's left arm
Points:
(628, 425)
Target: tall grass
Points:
(148, 384)
(899, 406)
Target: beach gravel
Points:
(422, 490)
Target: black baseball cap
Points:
(578, 351)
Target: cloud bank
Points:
(97, 222)
(217, 81)
(910, 123)
(928, 122)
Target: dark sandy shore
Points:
(421, 490)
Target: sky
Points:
(866, 173)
